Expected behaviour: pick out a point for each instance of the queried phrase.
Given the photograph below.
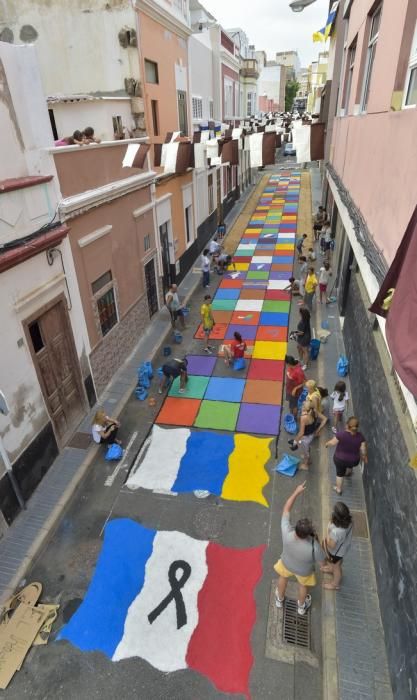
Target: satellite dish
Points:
(4, 408)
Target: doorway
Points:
(52, 347)
(166, 276)
(151, 287)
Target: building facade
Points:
(45, 373)
(291, 61)
(371, 193)
(271, 85)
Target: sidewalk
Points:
(353, 638)
(35, 525)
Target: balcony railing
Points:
(82, 168)
(249, 68)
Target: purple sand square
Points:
(261, 419)
(274, 275)
(247, 332)
(198, 364)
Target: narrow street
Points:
(245, 518)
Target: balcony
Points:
(83, 168)
(249, 68)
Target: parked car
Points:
(289, 149)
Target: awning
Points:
(397, 302)
(324, 33)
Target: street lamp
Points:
(300, 5)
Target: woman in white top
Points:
(104, 429)
(337, 543)
(324, 281)
(340, 400)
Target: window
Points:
(228, 99)
(151, 71)
(182, 111)
(370, 56)
(211, 109)
(36, 337)
(117, 126)
(197, 108)
(155, 120)
(147, 242)
(251, 104)
(188, 223)
(410, 92)
(349, 74)
(106, 303)
(229, 179)
(210, 193)
(107, 312)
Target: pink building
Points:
(371, 194)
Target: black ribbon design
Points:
(175, 593)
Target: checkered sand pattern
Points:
(251, 300)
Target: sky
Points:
(272, 26)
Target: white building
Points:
(44, 369)
(88, 61)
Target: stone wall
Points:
(390, 488)
(117, 345)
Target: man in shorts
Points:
(173, 303)
(207, 321)
(172, 369)
(301, 550)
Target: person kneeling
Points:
(104, 429)
(234, 351)
(172, 369)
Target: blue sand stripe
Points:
(98, 623)
(205, 464)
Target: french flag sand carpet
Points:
(172, 600)
(231, 466)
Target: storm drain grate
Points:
(81, 441)
(295, 627)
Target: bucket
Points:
(314, 348)
(166, 351)
(177, 337)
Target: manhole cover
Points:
(360, 525)
(209, 523)
(295, 627)
(81, 441)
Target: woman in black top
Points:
(304, 336)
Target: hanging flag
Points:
(397, 302)
(177, 157)
(324, 33)
(182, 461)
(135, 155)
(308, 140)
(262, 149)
(172, 600)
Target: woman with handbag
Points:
(311, 424)
(350, 450)
(337, 543)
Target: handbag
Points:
(342, 366)
(290, 424)
(239, 363)
(114, 452)
(288, 465)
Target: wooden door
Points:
(166, 274)
(151, 289)
(53, 351)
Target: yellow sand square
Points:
(284, 246)
(267, 350)
(241, 266)
(253, 230)
(289, 217)
(263, 207)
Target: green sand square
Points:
(223, 304)
(194, 389)
(244, 253)
(255, 275)
(217, 415)
(272, 305)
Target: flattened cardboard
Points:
(29, 595)
(16, 638)
(44, 632)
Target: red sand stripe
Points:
(220, 647)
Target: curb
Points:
(51, 523)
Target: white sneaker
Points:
(334, 430)
(159, 391)
(304, 367)
(278, 602)
(302, 609)
(208, 351)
